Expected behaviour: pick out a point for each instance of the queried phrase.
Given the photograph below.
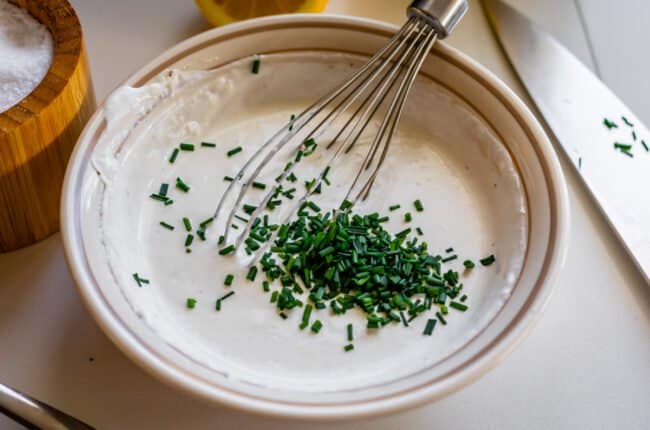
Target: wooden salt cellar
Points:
(38, 134)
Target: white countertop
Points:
(585, 365)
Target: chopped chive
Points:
(293, 117)
(579, 162)
(634, 136)
(418, 205)
(609, 124)
(316, 326)
(159, 198)
(169, 202)
(228, 280)
(266, 286)
(181, 185)
(188, 240)
(206, 222)
(419, 230)
(350, 333)
(408, 217)
(167, 226)
(645, 146)
(469, 264)
(448, 250)
(463, 298)
(345, 205)
(305, 317)
(259, 185)
(140, 280)
(428, 329)
(256, 66)
(403, 317)
(228, 178)
(622, 146)
(274, 296)
(163, 189)
(627, 122)
(174, 155)
(208, 144)
(442, 319)
(201, 233)
(221, 240)
(187, 224)
(249, 209)
(450, 258)
(458, 306)
(252, 273)
(488, 260)
(227, 250)
(628, 153)
(186, 147)
(394, 207)
(234, 151)
(225, 296)
(349, 347)
(283, 315)
(190, 303)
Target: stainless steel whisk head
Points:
(380, 86)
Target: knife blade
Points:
(575, 105)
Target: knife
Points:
(606, 142)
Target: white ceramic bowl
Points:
(490, 99)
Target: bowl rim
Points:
(491, 355)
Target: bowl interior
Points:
(478, 91)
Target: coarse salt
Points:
(26, 52)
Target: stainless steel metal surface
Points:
(34, 414)
(442, 15)
(381, 86)
(574, 103)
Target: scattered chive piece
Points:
(234, 151)
(169, 202)
(293, 117)
(187, 224)
(627, 122)
(458, 306)
(448, 250)
(252, 273)
(450, 258)
(628, 153)
(274, 296)
(350, 333)
(229, 278)
(428, 329)
(408, 217)
(283, 315)
(419, 230)
(140, 280)
(188, 240)
(305, 317)
(225, 296)
(394, 207)
(208, 145)
(469, 264)
(174, 155)
(316, 326)
(609, 124)
(181, 185)
(418, 205)
(622, 146)
(167, 226)
(579, 162)
(186, 147)
(266, 286)
(442, 319)
(259, 185)
(463, 298)
(249, 209)
(163, 189)
(228, 178)
(256, 66)
(206, 222)
(488, 260)
(201, 233)
(345, 205)
(634, 136)
(227, 250)
(645, 146)
(159, 198)
(349, 347)
(190, 303)
(221, 240)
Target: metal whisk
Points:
(380, 86)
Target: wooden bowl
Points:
(37, 135)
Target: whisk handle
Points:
(442, 15)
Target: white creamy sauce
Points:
(443, 154)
